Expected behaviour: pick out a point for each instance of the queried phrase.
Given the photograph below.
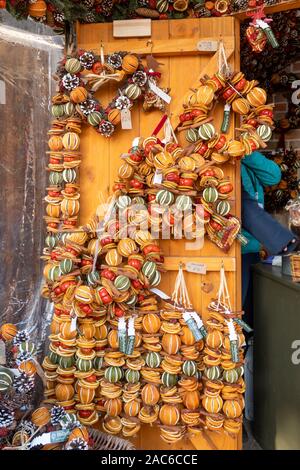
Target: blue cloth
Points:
(270, 233)
(257, 171)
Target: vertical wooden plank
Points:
(95, 165)
(122, 139)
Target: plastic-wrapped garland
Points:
(131, 337)
(122, 334)
(192, 325)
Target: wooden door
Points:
(175, 44)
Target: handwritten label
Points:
(126, 119)
(197, 268)
(207, 45)
(159, 92)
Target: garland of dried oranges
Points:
(242, 96)
(97, 276)
(82, 75)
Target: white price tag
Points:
(207, 45)
(159, 92)
(197, 268)
(158, 176)
(126, 119)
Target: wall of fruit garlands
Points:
(117, 352)
(55, 12)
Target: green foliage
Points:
(72, 11)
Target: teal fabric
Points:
(257, 171)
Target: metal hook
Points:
(149, 43)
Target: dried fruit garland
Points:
(81, 76)
(55, 12)
(242, 96)
(17, 378)
(86, 371)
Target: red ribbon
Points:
(258, 14)
(160, 125)
(154, 74)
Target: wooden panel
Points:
(186, 46)
(180, 71)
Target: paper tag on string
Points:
(2, 352)
(168, 131)
(197, 268)
(158, 176)
(126, 119)
(135, 142)
(159, 92)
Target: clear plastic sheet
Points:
(28, 56)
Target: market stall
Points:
(142, 253)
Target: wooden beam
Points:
(172, 47)
(171, 263)
(282, 6)
(209, 70)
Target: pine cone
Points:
(147, 13)
(140, 78)
(58, 17)
(57, 414)
(114, 60)
(77, 444)
(88, 3)
(87, 107)
(21, 336)
(23, 383)
(240, 5)
(23, 356)
(90, 17)
(87, 60)
(107, 6)
(203, 12)
(69, 81)
(143, 3)
(122, 102)
(106, 128)
(6, 418)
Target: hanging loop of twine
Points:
(223, 66)
(180, 294)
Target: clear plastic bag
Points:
(28, 60)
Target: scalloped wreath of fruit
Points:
(240, 95)
(82, 75)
